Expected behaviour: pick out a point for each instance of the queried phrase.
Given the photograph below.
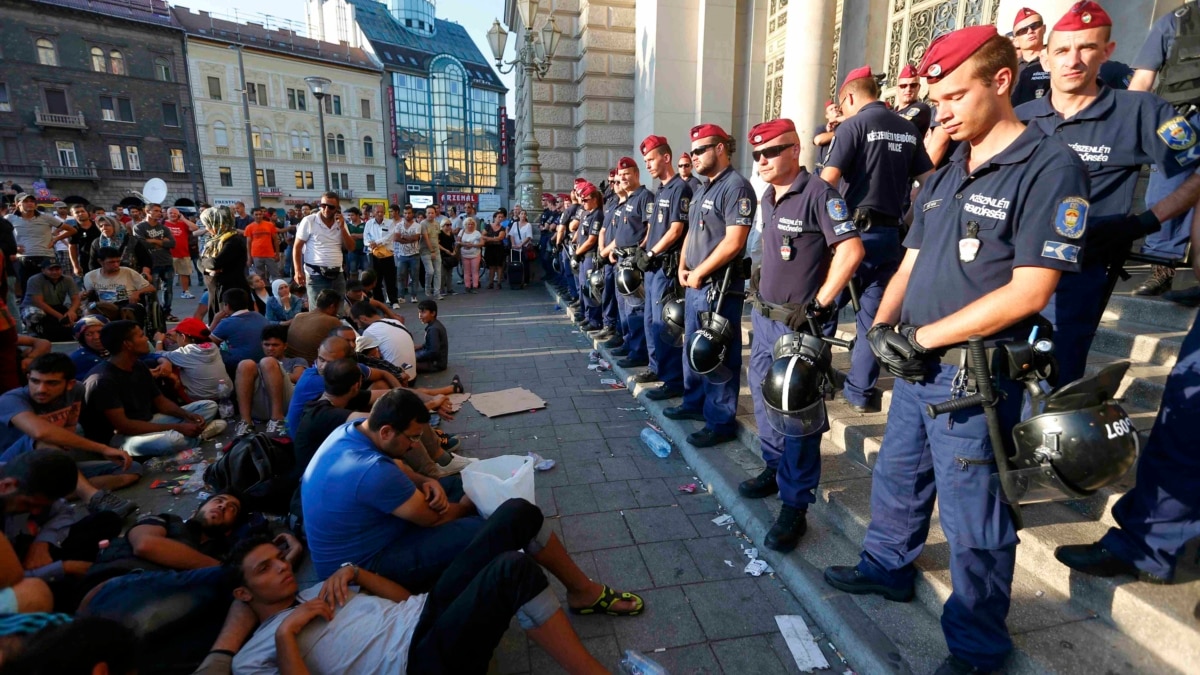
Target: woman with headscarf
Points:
(282, 307)
(224, 257)
(113, 234)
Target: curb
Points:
(836, 612)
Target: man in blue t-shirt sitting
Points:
(238, 329)
(362, 506)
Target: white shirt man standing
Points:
(317, 253)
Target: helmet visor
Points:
(1034, 485)
(672, 335)
(806, 422)
(636, 300)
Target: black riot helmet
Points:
(673, 317)
(556, 264)
(595, 280)
(707, 347)
(1081, 442)
(629, 282)
(794, 388)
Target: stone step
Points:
(1163, 314)
(1138, 342)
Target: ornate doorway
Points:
(916, 23)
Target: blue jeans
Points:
(408, 274)
(165, 442)
(164, 277)
(317, 283)
(356, 261)
(433, 273)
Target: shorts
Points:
(260, 405)
(182, 265)
(8, 601)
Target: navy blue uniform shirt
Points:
(799, 227)
(878, 154)
(920, 114)
(589, 225)
(670, 206)
(1028, 208)
(728, 200)
(1157, 47)
(1032, 83)
(694, 182)
(632, 217)
(1114, 136)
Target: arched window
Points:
(256, 137)
(220, 135)
(268, 141)
(162, 70)
(368, 147)
(305, 141)
(47, 55)
(116, 63)
(341, 144)
(99, 64)
(295, 138)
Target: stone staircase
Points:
(1061, 621)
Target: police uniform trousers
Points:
(545, 255)
(923, 458)
(569, 277)
(1162, 512)
(608, 306)
(797, 461)
(634, 323)
(1075, 310)
(718, 402)
(665, 358)
(880, 263)
(591, 308)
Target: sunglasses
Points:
(1029, 29)
(703, 149)
(685, 166)
(771, 152)
(911, 85)
(328, 206)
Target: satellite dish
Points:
(154, 191)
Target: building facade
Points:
(284, 132)
(94, 100)
(445, 102)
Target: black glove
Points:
(1113, 242)
(895, 353)
(641, 260)
(797, 318)
(579, 257)
(909, 332)
(755, 279)
(818, 312)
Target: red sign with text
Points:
(503, 135)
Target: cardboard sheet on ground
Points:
(506, 402)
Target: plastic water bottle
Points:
(224, 400)
(657, 444)
(636, 663)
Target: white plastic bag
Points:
(491, 482)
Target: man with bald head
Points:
(310, 386)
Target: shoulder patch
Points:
(931, 204)
(837, 209)
(744, 208)
(844, 228)
(1177, 133)
(1071, 219)
(1057, 250)
(1188, 156)
(684, 203)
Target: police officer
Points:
(1114, 133)
(908, 91)
(982, 259)
(823, 136)
(685, 172)
(613, 331)
(546, 224)
(668, 225)
(564, 235)
(878, 154)
(586, 236)
(1159, 68)
(1029, 36)
(803, 219)
(629, 233)
(719, 222)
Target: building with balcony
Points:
(94, 100)
(445, 101)
(284, 128)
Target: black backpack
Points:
(260, 467)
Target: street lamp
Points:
(249, 134)
(535, 57)
(319, 86)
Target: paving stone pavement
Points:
(615, 505)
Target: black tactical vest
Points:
(1179, 80)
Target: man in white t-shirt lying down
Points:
(359, 622)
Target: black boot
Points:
(762, 485)
(791, 524)
(1098, 561)
(1158, 283)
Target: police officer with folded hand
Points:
(810, 250)
(719, 222)
(981, 261)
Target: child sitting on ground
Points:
(433, 355)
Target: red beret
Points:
(651, 143)
(908, 72)
(856, 74)
(761, 133)
(828, 103)
(626, 163)
(1022, 14)
(579, 182)
(1082, 16)
(612, 173)
(708, 131)
(953, 49)
(547, 195)
(564, 196)
(586, 190)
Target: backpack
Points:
(260, 467)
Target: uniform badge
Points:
(684, 203)
(837, 209)
(660, 217)
(932, 204)
(935, 70)
(649, 210)
(1188, 156)
(1177, 134)
(1085, 17)
(744, 207)
(1057, 250)
(1071, 219)
(844, 228)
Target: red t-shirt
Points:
(262, 239)
(180, 232)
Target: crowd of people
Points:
(970, 215)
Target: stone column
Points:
(715, 63)
(665, 80)
(806, 67)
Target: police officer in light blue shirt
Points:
(988, 243)
(804, 220)
(719, 222)
(1114, 133)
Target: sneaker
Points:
(107, 501)
(396, 305)
(172, 317)
(441, 297)
(244, 428)
(456, 465)
(413, 299)
(1158, 283)
(278, 427)
(447, 442)
(187, 296)
(213, 429)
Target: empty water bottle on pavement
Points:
(224, 400)
(636, 663)
(657, 444)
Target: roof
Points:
(143, 11)
(401, 49)
(278, 40)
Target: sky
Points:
(475, 15)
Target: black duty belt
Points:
(866, 219)
(769, 310)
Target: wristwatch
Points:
(350, 564)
